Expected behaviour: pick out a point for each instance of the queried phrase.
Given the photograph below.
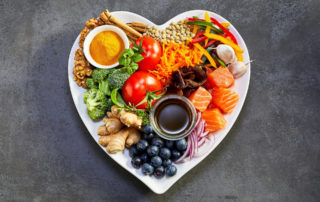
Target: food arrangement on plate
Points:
(160, 94)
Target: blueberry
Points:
(171, 170)
(147, 169)
(148, 136)
(142, 145)
(136, 162)
(157, 141)
(166, 163)
(144, 157)
(181, 144)
(153, 150)
(165, 153)
(159, 172)
(169, 144)
(133, 151)
(175, 155)
(147, 129)
(156, 161)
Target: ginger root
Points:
(117, 141)
(129, 119)
(113, 125)
(102, 130)
(134, 137)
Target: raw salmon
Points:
(201, 98)
(221, 77)
(214, 119)
(225, 99)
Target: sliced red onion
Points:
(205, 148)
(204, 134)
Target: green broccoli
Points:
(117, 79)
(91, 84)
(100, 74)
(109, 104)
(104, 87)
(96, 103)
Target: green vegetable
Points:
(129, 58)
(109, 104)
(220, 61)
(150, 96)
(204, 23)
(104, 87)
(91, 84)
(100, 74)
(117, 98)
(117, 79)
(96, 103)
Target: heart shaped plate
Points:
(241, 86)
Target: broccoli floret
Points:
(91, 84)
(117, 79)
(96, 103)
(100, 74)
(104, 87)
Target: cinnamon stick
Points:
(107, 17)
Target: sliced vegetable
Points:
(225, 41)
(201, 98)
(207, 19)
(220, 61)
(227, 32)
(204, 52)
(206, 24)
(199, 39)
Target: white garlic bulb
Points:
(226, 54)
(237, 69)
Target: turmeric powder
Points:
(106, 47)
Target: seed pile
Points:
(175, 32)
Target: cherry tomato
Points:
(152, 54)
(134, 89)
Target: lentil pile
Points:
(175, 32)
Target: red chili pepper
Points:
(197, 40)
(194, 19)
(226, 31)
(210, 43)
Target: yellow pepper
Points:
(239, 56)
(225, 24)
(225, 41)
(195, 29)
(207, 19)
(205, 53)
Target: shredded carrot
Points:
(175, 56)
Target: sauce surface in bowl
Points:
(173, 117)
(106, 47)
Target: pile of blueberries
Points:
(155, 155)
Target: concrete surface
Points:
(271, 154)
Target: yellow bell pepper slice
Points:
(225, 41)
(205, 53)
(239, 56)
(207, 31)
(225, 24)
(195, 29)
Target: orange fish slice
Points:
(225, 99)
(221, 77)
(214, 119)
(201, 98)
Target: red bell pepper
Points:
(198, 35)
(226, 31)
(210, 43)
(199, 39)
(194, 19)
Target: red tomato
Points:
(152, 54)
(134, 89)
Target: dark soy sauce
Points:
(173, 117)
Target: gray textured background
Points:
(271, 153)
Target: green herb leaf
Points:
(137, 57)
(117, 98)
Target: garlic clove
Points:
(238, 69)
(226, 54)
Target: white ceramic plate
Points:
(162, 185)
